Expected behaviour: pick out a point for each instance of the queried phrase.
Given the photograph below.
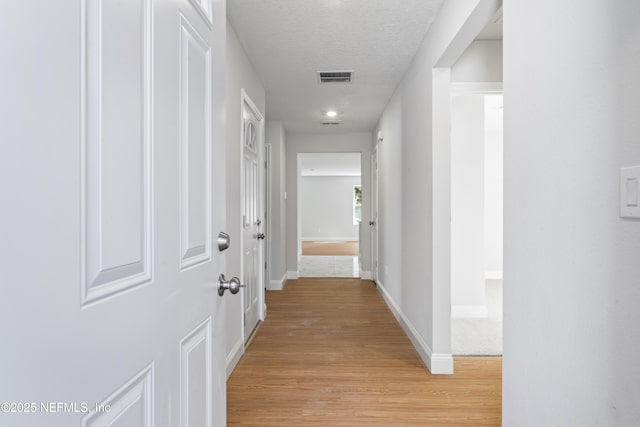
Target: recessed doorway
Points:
(476, 223)
(330, 214)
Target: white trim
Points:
(441, 364)
(278, 285)
(437, 363)
(469, 311)
(468, 88)
(234, 356)
(329, 239)
(292, 275)
(493, 275)
(262, 278)
(366, 275)
(267, 219)
(373, 233)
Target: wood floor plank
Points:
(330, 248)
(330, 353)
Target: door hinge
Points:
(265, 265)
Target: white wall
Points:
(476, 200)
(421, 146)
(277, 236)
(493, 186)
(481, 62)
(326, 205)
(467, 206)
(571, 296)
(390, 196)
(476, 176)
(240, 74)
(356, 142)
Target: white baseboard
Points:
(469, 311)
(493, 275)
(278, 285)
(292, 275)
(366, 275)
(437, 363)
(329, 239)
(234, 356)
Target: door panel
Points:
(252, 223)
(195, 377)
(116, 140)
(131, 405)
(116, 120)
(195, 146)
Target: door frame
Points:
(298, 180)
(374, 216)
(262, 309)
(267, 214)
(467, 89)
(441, 164)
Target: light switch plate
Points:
(630, 192)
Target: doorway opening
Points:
(472, 63)
(329, 214)
(476, 223)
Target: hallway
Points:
(331, 353)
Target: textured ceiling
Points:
(330, 164)
(288, 41)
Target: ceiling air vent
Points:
(335, 76)
(331, 122)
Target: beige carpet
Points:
(480, 337)
(330, 248)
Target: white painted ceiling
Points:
(330, 164)
(288, 41)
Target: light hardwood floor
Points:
(330, 248)
(330, 353)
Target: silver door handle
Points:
(223, 241)
(372, 223)
(232, 285)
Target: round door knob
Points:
(232, 285)
(372, 223)
(260, 236)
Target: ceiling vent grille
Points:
(335, 76)
(331, 122)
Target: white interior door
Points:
(252, 219)
(374, 214)
(111, 148)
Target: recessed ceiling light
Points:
(332, 113)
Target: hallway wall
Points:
(417, 286)
(354, 142)
(467, 206)
(240, 75)
(326, 208)
(390, 196)
(481, 62)
(277, 235)
(494, 184)
(571, 296)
